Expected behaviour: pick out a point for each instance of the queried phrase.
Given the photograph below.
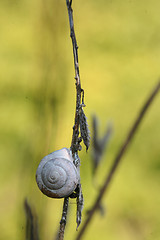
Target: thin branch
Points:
(75, 147)
(75, 143)
(63, 219)
(119, 156)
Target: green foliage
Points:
(119, 53)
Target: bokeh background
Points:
(119, 53)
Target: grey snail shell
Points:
(57, 176)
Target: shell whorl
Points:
(57, 176)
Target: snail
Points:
(56, 175)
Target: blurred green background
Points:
(119, 53)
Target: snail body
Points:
(56, 175)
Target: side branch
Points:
(119, 156)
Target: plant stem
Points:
(75, 136)
(118, 158)
(74, 144)
(63, 219)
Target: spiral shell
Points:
(57, 176)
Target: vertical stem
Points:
(75, 135)
(74, 144)
(63, 219)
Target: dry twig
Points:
(118, 158)
(75, 144)
(63, 219)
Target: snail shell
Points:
(57, 176)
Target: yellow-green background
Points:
(119, 53)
